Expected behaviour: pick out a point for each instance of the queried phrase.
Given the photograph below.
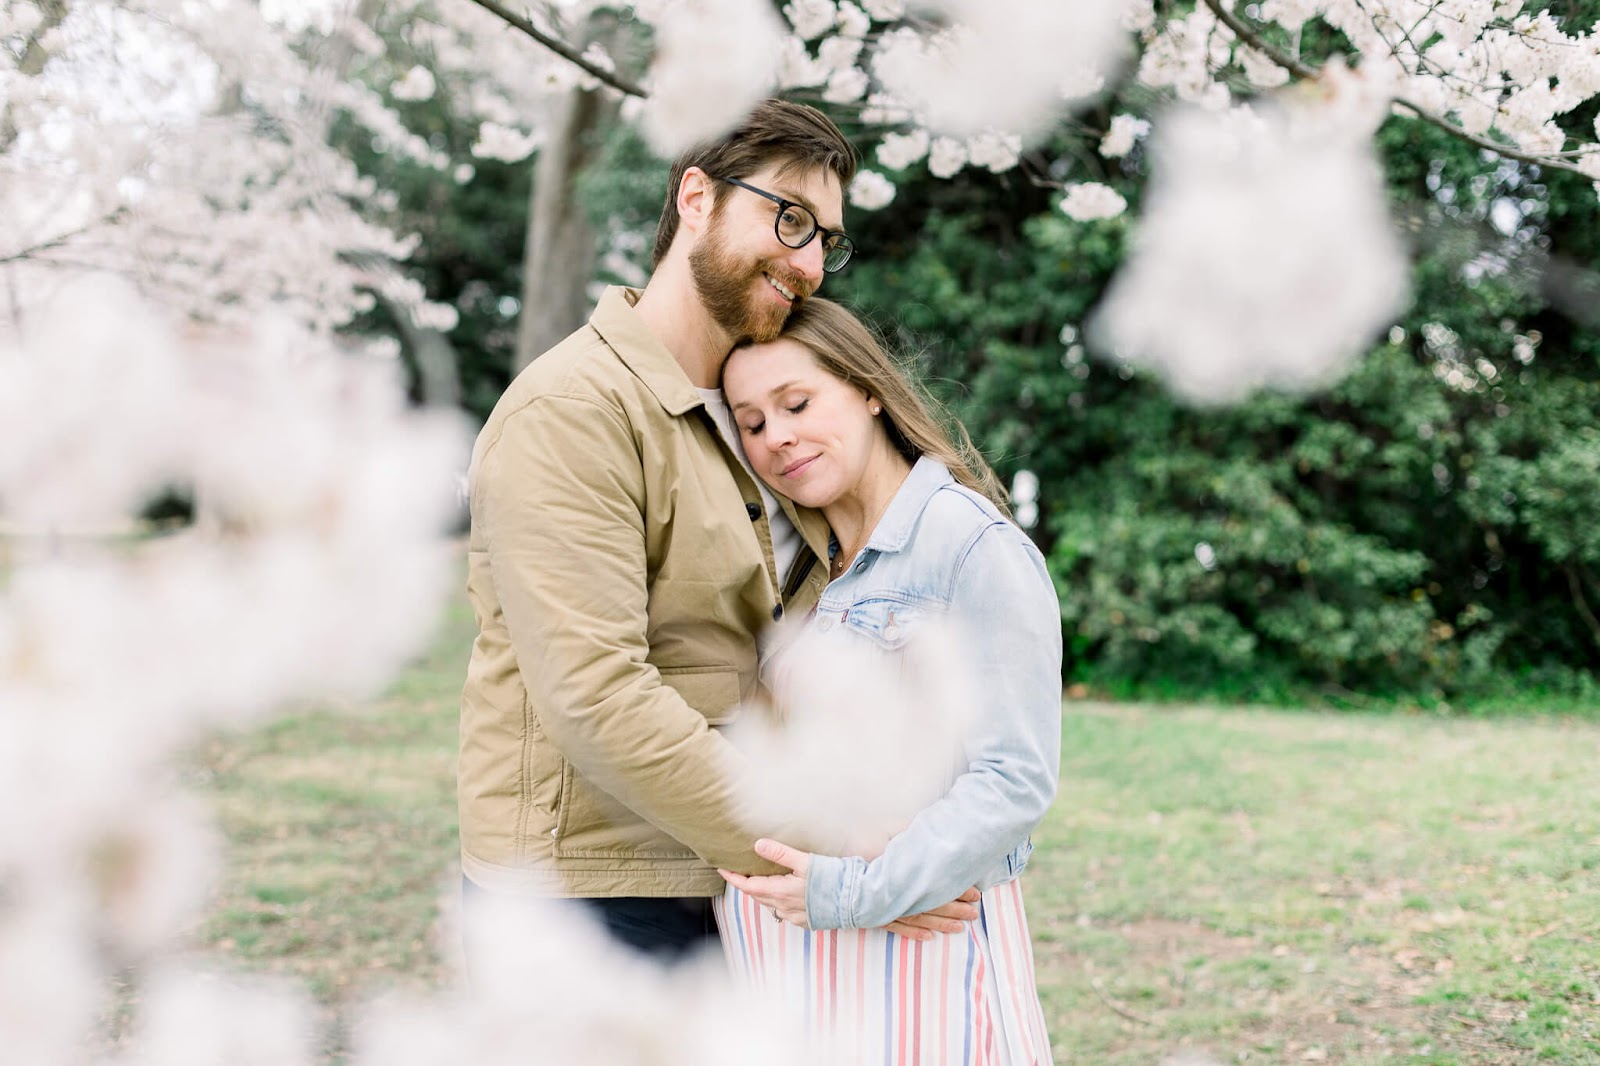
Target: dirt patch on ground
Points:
(1169, 978)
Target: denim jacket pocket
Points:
(886, 622)
(1017, 861)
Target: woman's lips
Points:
(793, 469)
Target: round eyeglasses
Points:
(795, 225)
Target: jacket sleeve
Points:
(561, 497)
(1007, 608)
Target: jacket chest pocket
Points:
(887, 623)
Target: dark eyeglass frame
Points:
(834, 256)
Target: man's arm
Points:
(560, 496)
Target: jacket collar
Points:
(639, 349)
(894, 529)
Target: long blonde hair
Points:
(917, 424)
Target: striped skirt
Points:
(966, 999)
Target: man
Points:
(623, 559)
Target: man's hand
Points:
(950, 918)
(783, 893)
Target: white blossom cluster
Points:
(1265, 256)
(185, 146)
(317, 565)
(958, 83)
(1124, 133)
(713, 62)
(1493, 66)
(996, 64)
(847, 711)
(549, 986)
(962, 89)
(1087, 201)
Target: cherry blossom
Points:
(1087, 201)
(1120, 138)
(713, 62)
(1217, 297)
(871, 191)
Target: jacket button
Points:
(777, 611)
(753, 510)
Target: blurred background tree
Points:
(1424, 527)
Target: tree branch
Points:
(560, 48)
(1305, 71)
(62, 239)
(1582, 603)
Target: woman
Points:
(920, 533)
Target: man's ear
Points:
(696, 198)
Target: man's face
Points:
(749, 280)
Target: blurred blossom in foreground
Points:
(316, 564)
(1015, 50)
(846, 713)
(714, 61)
(1265, 255)
(550, 987)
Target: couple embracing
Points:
(705, 456)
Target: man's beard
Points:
(725, 286)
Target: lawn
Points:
(1213, 885)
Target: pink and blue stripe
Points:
(958, 1000)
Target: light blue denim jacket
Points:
(942, 549)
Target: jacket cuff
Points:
(832, 885)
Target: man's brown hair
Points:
(798, 135)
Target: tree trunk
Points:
(560, 251)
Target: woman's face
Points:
(807, 434)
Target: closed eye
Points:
(801, 406)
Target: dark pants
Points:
(668, 928)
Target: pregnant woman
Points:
(922, 543)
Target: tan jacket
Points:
(619, 581)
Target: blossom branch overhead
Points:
(562, 49)
(1297, 67)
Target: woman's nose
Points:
(780, 434)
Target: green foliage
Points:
(472, 232)
(1424, 527)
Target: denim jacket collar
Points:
(894, 529)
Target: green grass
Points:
(1352, 886)
(342, 832)
(1254, 885)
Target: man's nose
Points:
(807, 261)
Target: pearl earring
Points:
(876, 409)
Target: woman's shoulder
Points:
(971, 532)
(954, 511)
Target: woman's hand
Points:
(784, 893)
